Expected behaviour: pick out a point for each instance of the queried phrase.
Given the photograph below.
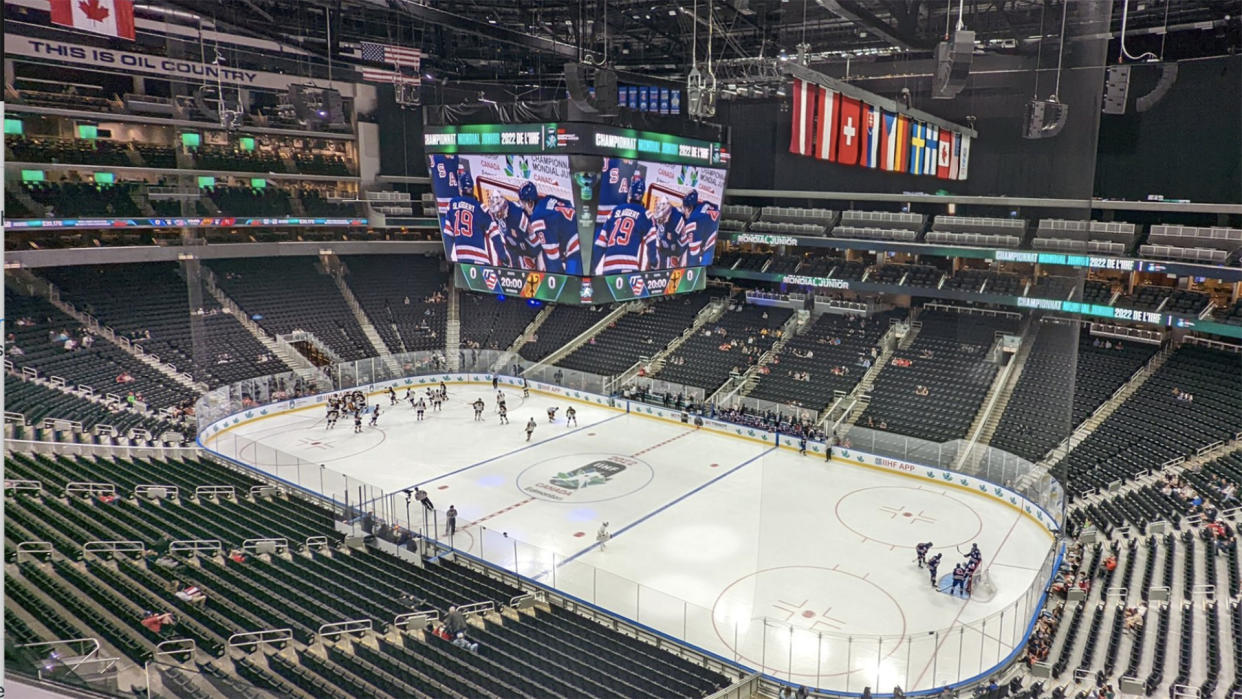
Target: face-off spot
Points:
(901, 516)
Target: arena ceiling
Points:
(527, 41)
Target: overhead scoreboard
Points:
(552, 211)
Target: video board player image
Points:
(655, 216)
(513, 211)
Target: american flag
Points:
(393, 55)
(380, 75)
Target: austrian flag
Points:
(108, 17)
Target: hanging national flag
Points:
(802, 128)
(849, 127)
(392, 55)
(955, 155)
(108, 17)
(872, 152)
(931, 149)
(888, 128)
(902, 148)
(379, 75)
(944, 155)
(826, 125)
(918, 142)
(963, 161)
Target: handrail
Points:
(257, 638)
(477, 608)
(174, 646)
(90, 488)
(156, 492)
(213, 546)
(33, 548)
(215, 491)
(97, 547)
(338, 628)
(316, 541)
(277, 544)
(402, 621)
(20, 484)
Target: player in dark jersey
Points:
(666, 222)
(375, 410)
(627, 240)
(571, 416)
(552, 229)
(468, 231)
(509, 222)
(444, 174)
(504, 414)
(699, 229)
(392, 396)
(921, 550)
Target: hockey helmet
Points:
(691, 199)
(638, 187)
(528, 192)
(465, 183)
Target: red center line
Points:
(499, 512)
(945, 637)
(653, 447)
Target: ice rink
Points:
(785, 563)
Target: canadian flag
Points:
(110, 17)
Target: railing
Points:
(211, 547)
(18, 484)
(156, 492)
(266, 545)
(89, 489)
(98, 547)
(340, 628)
(215, 491)
(403, 621)
(249, 641)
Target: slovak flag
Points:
(109, 17)
(849, 124)
(826, 124)
(802, 129)
(944, 156)
(872, 137)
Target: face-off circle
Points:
(832, 620)
(585, 478)
(902, 516)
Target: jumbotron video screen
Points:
(545, 226)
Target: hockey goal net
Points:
(982, 588)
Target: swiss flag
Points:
(802, 129)
(826, 124)
(109, 17)
(944, 154)
(849, 131)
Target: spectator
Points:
(462, 642)
(192, 595)
(156, 622)
(454, 621)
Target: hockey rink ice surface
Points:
(784, 563)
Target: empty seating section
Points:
(69, 199)
(211, 157)
(37, 402)
(248, 201)
(728, 345)
(92, 361)
(1154, 425)
(402, 295)
(149, 304)
(561, 327)
(634, 335)
(1213, 245)
(880, 225)
(316, 203)
(320, 164)
(1233, 316)
(736, 217)
(1060, 235)
(543, 651)
(923, 276)
(1185, 302)
(977, 231)
(793, 220)
(784, 264)
(1067, 375)
(157, 156)
(1054, 287)
(43, 149)
(488, 322)
(948, 358)
(1097, 292)
(286, 294)
(828, 356)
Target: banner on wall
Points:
(831, 126)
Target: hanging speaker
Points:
(1168, 76)
(1116, 87)
(1044, 118)
(579, 91)
(953, 59)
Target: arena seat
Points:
(562, 326)
(285, 294)
(618, 346)
(956, 373)
(403, 297)
(488, 322)
(726, 346)
(148, 303)
(977, 231)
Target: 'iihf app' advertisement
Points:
(509, 211)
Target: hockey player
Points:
(802, 445)
(504, 414)
(444, 174)
(525, 389)
(443, 391)
(552, 414)
(530, 428)
(921, 550)
(478, 409)
(436, 400)
(959, 579)
(551, 230)
(571, 416)
(667, 225)
(602, 536)
(333, 414)
(510, 222)
(627, 240)
(500, 400)
(468, 231)
(392, 396)
(699, 229)
(932, 564)
(375, 410)
(420, 408)
(357, 421)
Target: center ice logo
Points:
(594, 473)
